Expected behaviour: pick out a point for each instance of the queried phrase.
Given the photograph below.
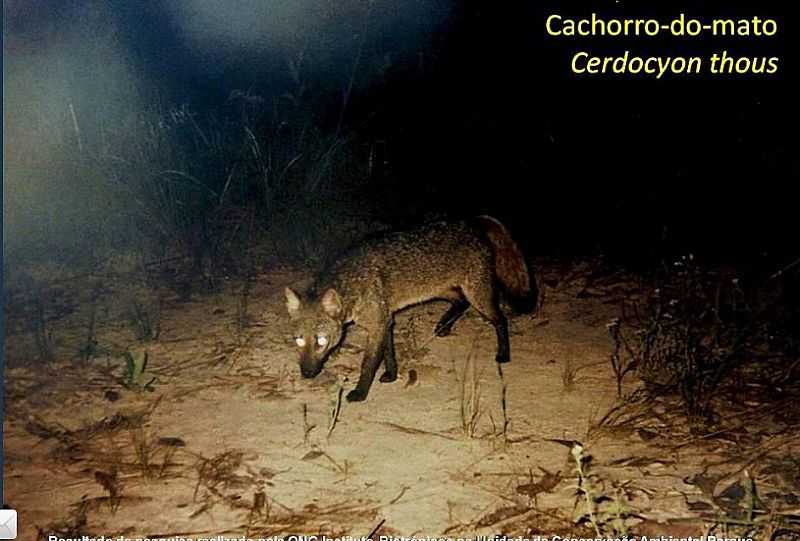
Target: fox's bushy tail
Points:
(510, 267)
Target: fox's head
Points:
(318, 327)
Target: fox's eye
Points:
(322, 341)
(300, 341)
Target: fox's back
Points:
(409, 267)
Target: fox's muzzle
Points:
(309, 368)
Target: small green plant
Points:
(621, 365)
(606, 514)
(569, 375)
(143, 450)
(90, 347)
(136, 365)
(470, 397)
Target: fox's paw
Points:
(388, 377)
(356, 396)
(503, 358)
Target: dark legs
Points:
(452, 315)
(481, 293)
(380, 347)
(388, 357)
(503, 347)
(477, 291)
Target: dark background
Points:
(472, 108)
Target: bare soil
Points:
(227, 439)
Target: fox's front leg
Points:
(373, 355)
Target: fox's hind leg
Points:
(389, 360)
(458, 306)
(480, 291)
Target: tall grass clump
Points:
(705, 330)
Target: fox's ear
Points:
(292, 302)
(332, 303)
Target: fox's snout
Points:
(309, 369)
(312, 361)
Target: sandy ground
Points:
(229, 440)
